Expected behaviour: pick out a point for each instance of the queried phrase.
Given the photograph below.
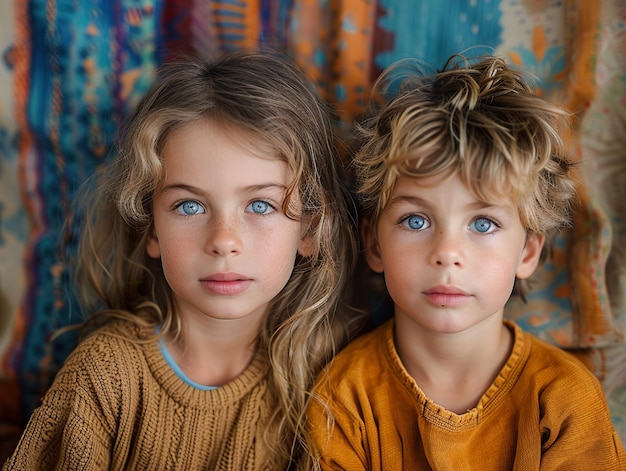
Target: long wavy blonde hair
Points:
(265, 95)
(481, 119)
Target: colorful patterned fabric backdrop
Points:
(72, 70)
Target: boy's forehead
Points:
(487, 193)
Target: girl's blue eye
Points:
(416, 222)
(259, 207)
(190, 208)
(483, 225)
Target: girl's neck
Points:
(214, 353)
(455, 371)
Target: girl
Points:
(216, 249)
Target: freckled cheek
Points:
(274, 264)
(177, 270)
(177, 246)
(278, 251)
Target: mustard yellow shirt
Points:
(544, 411)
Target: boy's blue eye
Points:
(190, 208)
(482, 225)
(416, 222)
(259, 207)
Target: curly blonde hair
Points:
(481, 120)
(266, 96)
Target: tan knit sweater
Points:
(118, 405)
(544, 411)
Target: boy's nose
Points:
(447, 251)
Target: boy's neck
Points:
(454, 370)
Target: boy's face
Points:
(225, 244)
(449, 259)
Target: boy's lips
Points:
(442, 289)
(446, 296)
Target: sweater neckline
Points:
(188, 395)
(494, 395)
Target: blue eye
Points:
(190, 208)
(483, 225)
(259, 207)
(416, 222)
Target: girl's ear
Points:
(153, 249)
(305, 248)
(370, 245)
(530, 255)
(307, 241)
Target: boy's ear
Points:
(370, 246)
(153, 249)
(530, 255)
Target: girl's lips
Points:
(227, 276)
(226, 283)
(228, 288)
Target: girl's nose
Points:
(223, 237)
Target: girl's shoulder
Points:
(102, 372)
(124, 335)
(115, 349)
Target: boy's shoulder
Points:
(555, 366)
(365, 355)
(550, 354)
(368, 343)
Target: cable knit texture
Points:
(118, 405)
(544, 411)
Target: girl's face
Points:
(449, 259)
(226, 247)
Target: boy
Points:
(462, 178)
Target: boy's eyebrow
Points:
(415, 200)
(475, 205)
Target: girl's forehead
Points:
(205, 147)
(250, 141)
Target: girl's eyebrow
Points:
(245, 189)
(178, 186)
